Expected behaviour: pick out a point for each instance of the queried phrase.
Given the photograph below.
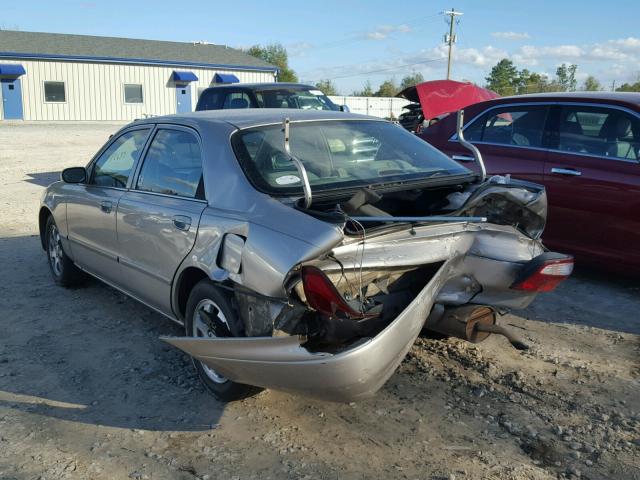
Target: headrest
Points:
(239, 103)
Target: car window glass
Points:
(338, 154)
(210, 100)
(599, 131)
(521, 126)
(173, 165)
(236, 100)
(114, 166)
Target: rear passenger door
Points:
(592, 177)
(158, 218)
(511, 140)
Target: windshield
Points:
(294, 98)
(338, 154)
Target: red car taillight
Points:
(323, 296)
(544, 273)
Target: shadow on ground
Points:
(91, 354)
(43, 179)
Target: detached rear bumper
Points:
(281, 363)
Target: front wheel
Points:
(64, 272)
(210, 315)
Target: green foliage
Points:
(411, 80)
(275, 54)
(387, 89)
(366, 91)
(566, 78)
(327, 87)
(506, 79)
(503, 78)
(629, 87)
(531, 82)
(591, 84)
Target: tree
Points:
(366, 91)
(531, 82)
(629, 87)
(503, 78)
(411, 80)
(327, 87)
(275, 54)
(566, 78)
(591, 84)
(387, 89)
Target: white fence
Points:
(384, 107)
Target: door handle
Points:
(182, 222)
(566, 171)
(463, 158)
(106, 206)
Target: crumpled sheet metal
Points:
(281, 363)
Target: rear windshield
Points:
(338, 154)
(294, 98)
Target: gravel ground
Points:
(88, 391)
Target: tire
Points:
(62, 269)
(209, 307)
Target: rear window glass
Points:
(338, 154)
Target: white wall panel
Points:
(383, 107)
(95, 91)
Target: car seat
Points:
(239, 103)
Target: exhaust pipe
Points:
(473, 323)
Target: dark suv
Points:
(265, 95)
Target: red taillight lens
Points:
(544, 274)
(323, 296)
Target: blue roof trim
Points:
(225, 78)
(169, 63)
(179, 76)
(12, 70)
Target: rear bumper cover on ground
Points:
(282, 363)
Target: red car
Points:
(583, 147)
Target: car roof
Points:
(251, 117)
(263, 86)
(629, 99)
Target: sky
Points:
(352, 41)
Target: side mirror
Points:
(344, 108)
(74, 175)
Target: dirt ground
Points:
(88, 391)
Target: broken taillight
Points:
(323, 296)
(544, 273)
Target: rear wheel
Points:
(209, 315)
(64, 272)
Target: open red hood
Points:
(443, 96)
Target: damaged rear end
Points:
(441, 256)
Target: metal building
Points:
(48, 76)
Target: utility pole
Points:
(450, 39)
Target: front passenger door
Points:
(158, 218)
(91, 207)
(592, 177)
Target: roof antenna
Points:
(306, 187)
(476, 153)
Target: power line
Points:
(451, 38)
(388, 69)
(362, 38)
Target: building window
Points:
(133, 93)
(54, 92)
